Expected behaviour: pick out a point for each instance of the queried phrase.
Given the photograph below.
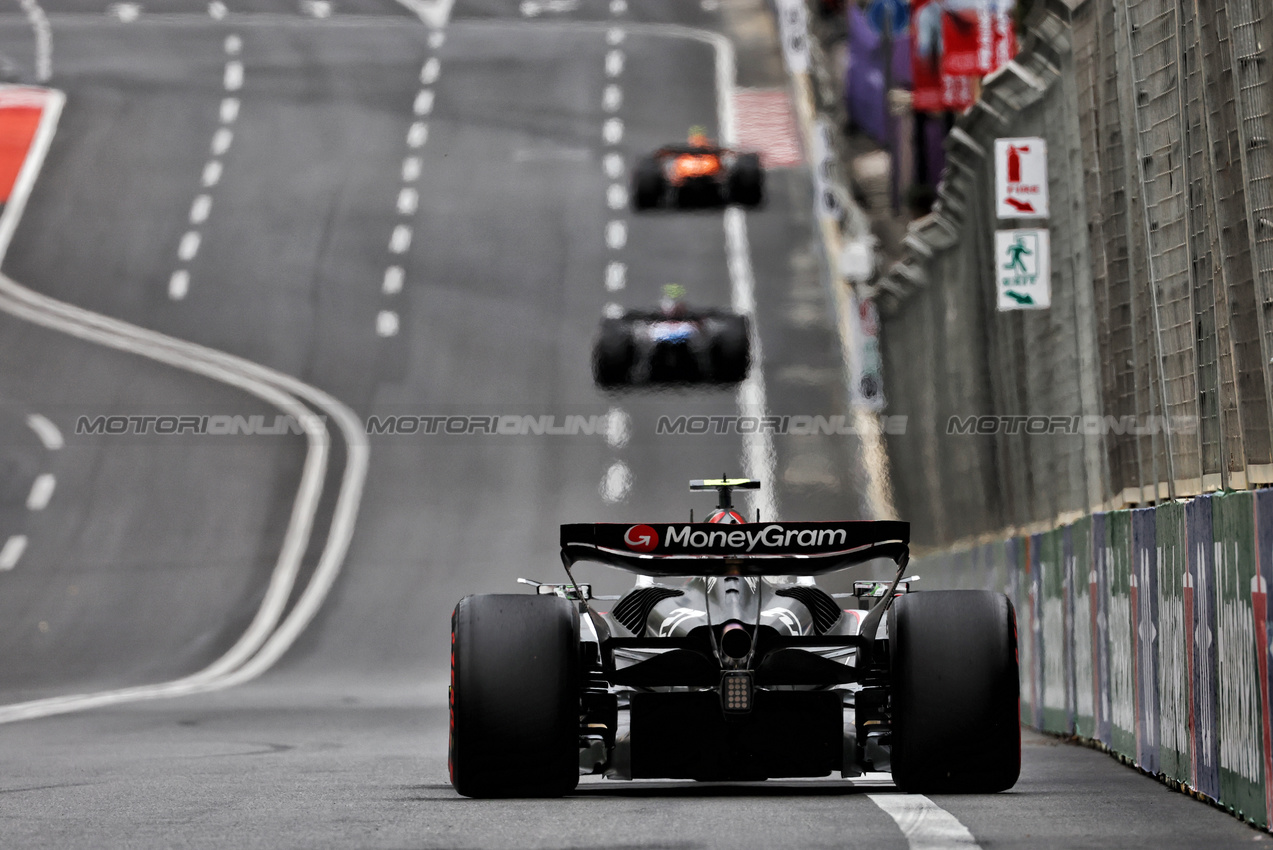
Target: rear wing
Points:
(754, 549)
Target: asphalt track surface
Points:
(153, 554)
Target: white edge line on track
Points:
(12, 551)
(43, 39)
(926, 825)
(266, 638)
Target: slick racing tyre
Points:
(514, 696)
(613, 355)
(731, 350)
(648, 184)
(747, 181)
(955, 711)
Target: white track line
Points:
(211, 173)
(12, 551)
(616, 276)
(43, 39)
(926, 825)
(387, 323)
(395, 276)
(41, 491)
(429, 73)
(432, 12)
(616, 235)
(423, 104)
(269, 634)
(400, 240)
(179, 285)
(613, 164)
(417, 135)
(48, 433)
(410, 169)
(612, 131)
(229, 110)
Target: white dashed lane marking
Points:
(400, 241)
(179, 285)
(41, 491)
(613, 165)
(216, 11)
(46, 431)
(614, 63)
(617, 482)
(410, 169)
(221, 141)
(408, 201)
(126, 12)
(436, 39)
(423, 102)
(417, 135)
(612, 98)
(211, 174)
(233, 76)
(615, 35)
(429, 73)
(618, 7)
(612, 131)
(189, 246)
(12, 551)
(387, 323)
(616, 276)
(616, 235)
(200, 209)
(394, 278)
(617, 196)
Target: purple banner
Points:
(1099, 589)
(1145, 632)
(1200, 655)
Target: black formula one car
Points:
(698, 173)
(675, 344)
(740, 672)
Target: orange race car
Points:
(698, 173)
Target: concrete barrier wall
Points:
(1147, 632)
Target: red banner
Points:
(934, 89)
(977, 36)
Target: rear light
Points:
(736, 691)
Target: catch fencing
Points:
(1148, 377)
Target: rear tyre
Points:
(731, 350)
(613, 354)
(747, 181)
(514, 696)
(648, 184)
(955, 691)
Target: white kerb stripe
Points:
(926, 825)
